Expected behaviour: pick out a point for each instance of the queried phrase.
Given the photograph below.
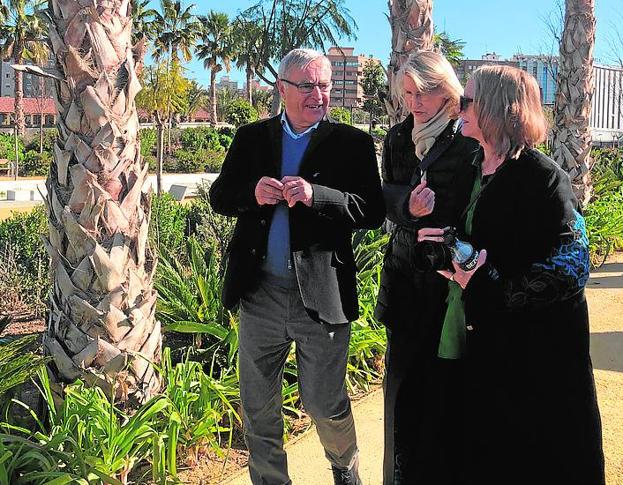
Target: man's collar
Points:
(288, 129)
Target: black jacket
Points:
(340, 163)
(409, 281)
(532, 404)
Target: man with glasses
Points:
(299, 185)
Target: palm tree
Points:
(101, 325)
(246, 37)
(216, 48)
(22, 36)
(165, 93)
(452, 49)
(142, 20)
(176, 30)
(197, 98)
(571, 142)
(290, 24)
(412, 29)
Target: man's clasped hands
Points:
(292, 189)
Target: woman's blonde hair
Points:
(431, 71)
(507, 103)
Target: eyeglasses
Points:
(306, 88)
(464, 102)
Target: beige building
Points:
(347, 74)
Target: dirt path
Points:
(605, 294)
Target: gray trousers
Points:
(271, 318)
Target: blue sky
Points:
(503, 26)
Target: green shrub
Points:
(35, 163)
(7, 147)
(201, 138)
(21, 247)
(341, 115)
(225, 140)
(213, 161)
(379, 132)
(227, 131)
(189, 161)
(168, 228)
(148, 138)
(240, 112)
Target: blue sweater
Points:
(278, 263)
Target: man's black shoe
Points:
(346, 477)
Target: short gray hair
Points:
(299, 58)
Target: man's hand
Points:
(421, 201)
(297, 189)
(268, 191)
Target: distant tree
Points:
(216, 49)
(291, 24)
(165, 91)
(262, 102)
(143, 20)
(373, 84)
(23, 35)
(411, 22)
(246, 35)
(240, 112)
(452, 49)
(571, 140)
(341, 115)
(224, 98)
(198, 97)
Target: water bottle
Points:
(463, 253)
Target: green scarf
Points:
(452, 341)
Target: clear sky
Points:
(502, 26)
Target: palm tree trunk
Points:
(213, 115)
(571, 132)
(159, 152)
(102, 303)
(20, 119)
(250, 85)
(275, 106)
(412, 30)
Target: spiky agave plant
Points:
(102, 301)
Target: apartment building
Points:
(468, 66)
(545, 71)
(347, 75)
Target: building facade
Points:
(545, 71)
(467, 66)
(347, 75)
(34, 86)
(607, 105)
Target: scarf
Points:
(425, 134)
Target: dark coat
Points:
(531, 398)
(422, 394)
(411, 289)
(340, 163)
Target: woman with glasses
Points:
(427, 178)
(531, 405)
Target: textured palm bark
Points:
(571, 142)
(20, 118)
(412, 30)
(101, 326)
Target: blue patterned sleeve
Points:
(561, 276)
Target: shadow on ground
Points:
(607, 351)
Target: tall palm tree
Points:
(142, 20)
(412, 29)
(246, 37)
(101, 325)
(23, 36)
(571, 142)
(216, 48)
(176, 30)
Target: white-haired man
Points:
(299, 185)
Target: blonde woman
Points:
(532, 410)
(427, 178)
